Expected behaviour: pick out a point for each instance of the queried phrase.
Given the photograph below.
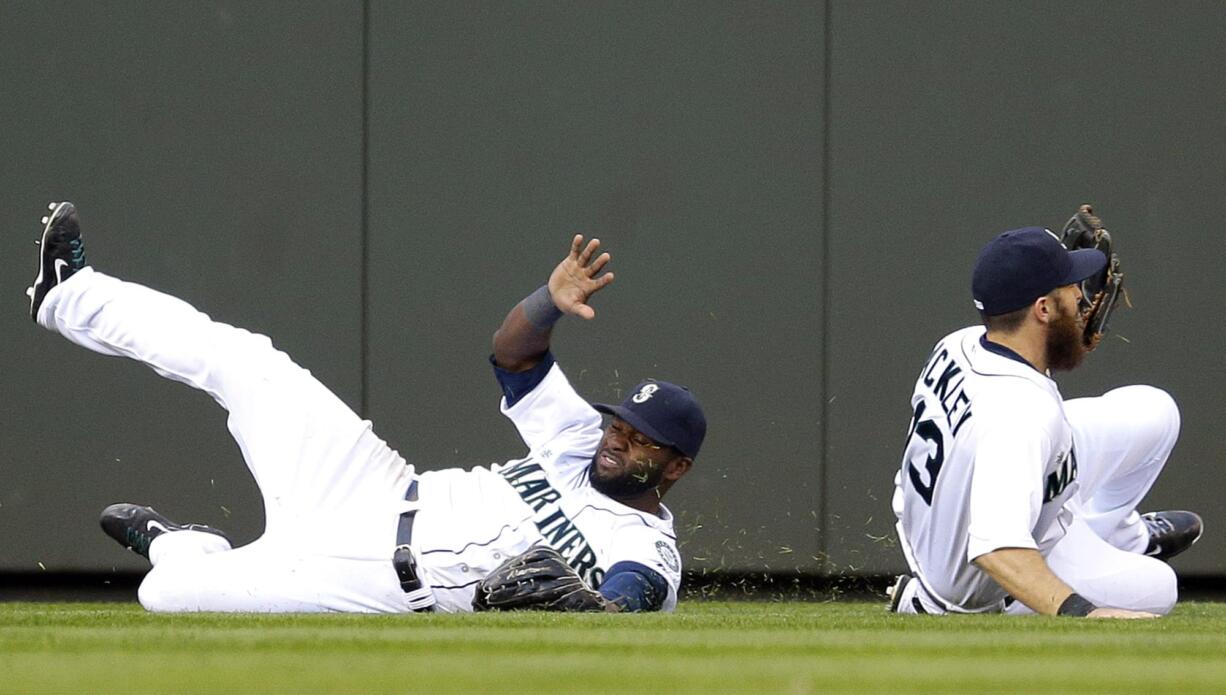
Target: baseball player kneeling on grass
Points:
(1012, 499)
(577, 525)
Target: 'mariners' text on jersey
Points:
(529, 481)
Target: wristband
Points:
(1076, 605)
(540, 310)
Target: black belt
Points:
(402, 559)
(404, 531)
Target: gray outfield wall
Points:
(793, 192)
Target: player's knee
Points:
(247, 363)
(164, 591)
(1164, 587)
(1164, 408)
(1156, 409)
(1150, 586)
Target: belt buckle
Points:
(418, 595)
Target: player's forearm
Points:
(523, 338)
(633, 587)
(1024, 574)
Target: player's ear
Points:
(678, 467)
(1044, 309)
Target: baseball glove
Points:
(1100, 291)
(538, 580)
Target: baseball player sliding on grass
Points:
(1010, 498)
(578, 524)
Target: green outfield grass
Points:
(706, 647)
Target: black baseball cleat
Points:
(897, 589)
(61, 253)
(135, 526)
(1171, 532)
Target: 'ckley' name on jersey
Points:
(533, 487)
(947, 387)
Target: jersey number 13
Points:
(925, 443)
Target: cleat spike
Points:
(44, 220)
(51, 206)
(30, 292)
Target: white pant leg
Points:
(1121, 440)
(169, 546)
(311, 455)
(270, 577)
(1109, 576)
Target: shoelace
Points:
(139, 541)
(1158, 526)
(77, 247)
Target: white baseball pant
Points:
(1122, 440)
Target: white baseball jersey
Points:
(471, 521)
(988, 464)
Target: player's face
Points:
(1065, 346)
(627, 462)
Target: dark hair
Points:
(1005, 323)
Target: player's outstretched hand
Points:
(1121, 613)
(576, 278)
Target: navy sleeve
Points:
(516, 385)
(634, 587)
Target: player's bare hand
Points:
(1121, 613)
(578, 277)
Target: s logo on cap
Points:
(645, 393)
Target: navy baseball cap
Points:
(1021, 265)
(667, 413)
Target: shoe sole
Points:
(56, 212)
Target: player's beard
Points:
(629, 482)
(1065, 346)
